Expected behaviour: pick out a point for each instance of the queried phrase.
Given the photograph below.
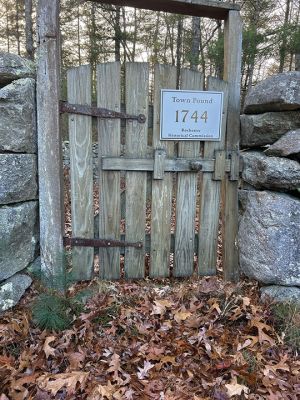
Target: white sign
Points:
(191, 115)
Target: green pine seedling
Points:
(52, 312)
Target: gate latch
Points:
(196, 166)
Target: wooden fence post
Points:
(49, 145)
(232, 74)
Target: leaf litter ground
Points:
(188, 340)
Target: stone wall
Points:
(269, 231)
(18, 177)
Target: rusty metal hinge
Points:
(83, 242)
(65, 107)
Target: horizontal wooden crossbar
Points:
(201, 8)
(171, 165)
(147, 246)
(97, 243)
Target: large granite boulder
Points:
(269, 240)
(12, 290)
(263, 172)
(278, 93)
(18, 117)
(19, 237)
(14, 67)
(263, 129)
(18, 177)
(281, 294)
(287, 146)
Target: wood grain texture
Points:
(49, 145)
(211, 195)
(161, 206)
(232, 74)
(137, 81)
(201, 8)
(109, 132)
(159, 164)
(219, 172)
(186, 193)
(81, 170)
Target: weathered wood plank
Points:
(234, 168)
(219, 172)
(186, 193)
(161, 207)
(147, 247)
(109, 132)
(81, 170)
(232, 74)
(147, 164)
(49, 144)
(211, 195)
(159, 164)
(137, 81)
(201, 8)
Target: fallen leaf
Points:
(129, 394)
(48, 350)
(223, 365)
(76, 359)
(279, 366)
(115, 366)
(236, 389)
(143, 372)
(247, 343)
(165, 360)
(262, 336)
(181, 316)
(55, 382)
(246, 301)
(160, 307)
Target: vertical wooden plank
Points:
(81, 169)
(211, 195)
(161, 207)
(137, 82)
(49, 144)
(159, 164)
(232, 74)
(186, 193)
(109, 132)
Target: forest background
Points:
(94, 33)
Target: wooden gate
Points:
(50, 160)
(171, 219)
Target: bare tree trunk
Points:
(134, 36)
(202, 59)
(155, 39)
(118, 34)
(123, 36)
(253, 53)
(195, 49)
(92, 38)
(29, 30)
(178, 48)
(7, 29)
(297, 61)
(297, 50)
(283, 47)
(78, 34)
(18, 27)
(220, 65)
